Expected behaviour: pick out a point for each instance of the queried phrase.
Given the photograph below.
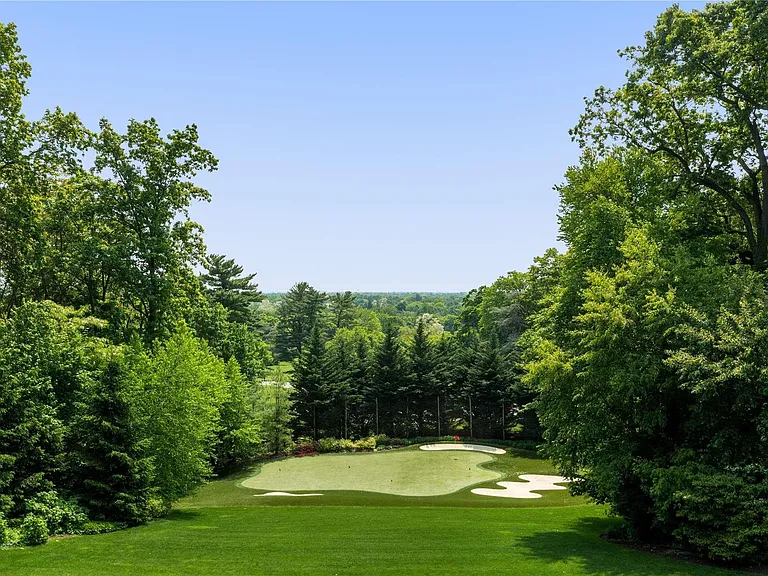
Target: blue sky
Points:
(362, 146)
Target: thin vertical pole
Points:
(345, 419)
(438, 414)
(277, 416)
(377, 416)
(407, 418)
(471, 433)
(314, 421)
(503, 421)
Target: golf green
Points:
(398, 472)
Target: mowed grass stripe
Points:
(351, 541)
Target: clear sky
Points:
(362, 146)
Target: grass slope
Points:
(400, 472)
(318, 540)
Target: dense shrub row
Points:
(305, 446)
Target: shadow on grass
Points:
(183, 515)
(520, 453)
(582, 545)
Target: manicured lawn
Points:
(399, 472)
(353, 541)
(230, 492)
(284, 367)
(225, 530)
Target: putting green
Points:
(401, 472)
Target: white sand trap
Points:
(524, 489)
(468, 447)
(285, 494)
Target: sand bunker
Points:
(524, 489)
(468, 447)
(285, 494)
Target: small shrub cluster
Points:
(306, 447)
(34, 531)
(49, 515)
(60, 517)
(345, 445)
(5, 532)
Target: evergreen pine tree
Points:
(487, 384)
(338, 369)
(389, 375)
(341, 306)
(112, 472)
(230, 288)
(421, 383)
(300, 311)
(309, 380)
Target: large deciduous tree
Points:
(34, 155)
(150, 189)
(696, 96)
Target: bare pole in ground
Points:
(438, 414)
(503, 422)
(471, 433)
(277, 414)
(377, 416)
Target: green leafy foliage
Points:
(178, 392)
(5, 534)
(240, 437)
(649, 358)
(61, 517)
(695, 98)
(34, 531)
(42, 368)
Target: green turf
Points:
(352, 541)
(229, 492)
(284, 367)
(400, 472)
(224, 530)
